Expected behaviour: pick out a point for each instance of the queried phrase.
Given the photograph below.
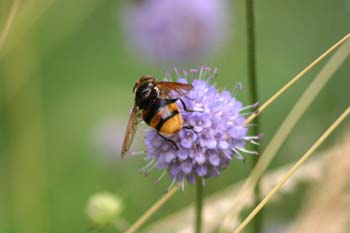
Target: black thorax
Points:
(145, 94)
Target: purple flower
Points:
(176, 31)
(215, 135)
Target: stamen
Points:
(247, 151)
(252, 137)
(171, 185)
(213, 76)
(207, 68)
(249, 106)
(227, 156)
(150, 169)
(245, 113)
(148, 159)
(250, 125)
(237, 154)
(167, 73)
(215, 71)
(217, 170)
(149, 164)
(236, 88)
(146, 169)
(185, 72)
(200, 76)
(254, 142)
(156, 181)
(176, 71)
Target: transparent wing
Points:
(166, 87)
(130, 131)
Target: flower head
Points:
(213, 132)
(173, 31)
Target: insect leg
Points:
(185, 107)
(190, 127)
(169, 140)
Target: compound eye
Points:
(146, 92)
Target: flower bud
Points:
(103, 208)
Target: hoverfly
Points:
(154, 106)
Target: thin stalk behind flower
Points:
(286, 127)
(253, 93)
(199, 207)
(294, 169)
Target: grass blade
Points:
(286, 127)
(293, 169)
(8, 23)
(296, 78)
(152, 210)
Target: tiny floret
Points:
(213, 133)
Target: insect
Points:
(154, 106)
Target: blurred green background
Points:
(65, 69)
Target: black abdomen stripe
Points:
(162, 121)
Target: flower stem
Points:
(253, 90)
(199, 205)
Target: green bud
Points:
(103, 208)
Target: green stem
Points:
(253, 90)
(199, 205)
